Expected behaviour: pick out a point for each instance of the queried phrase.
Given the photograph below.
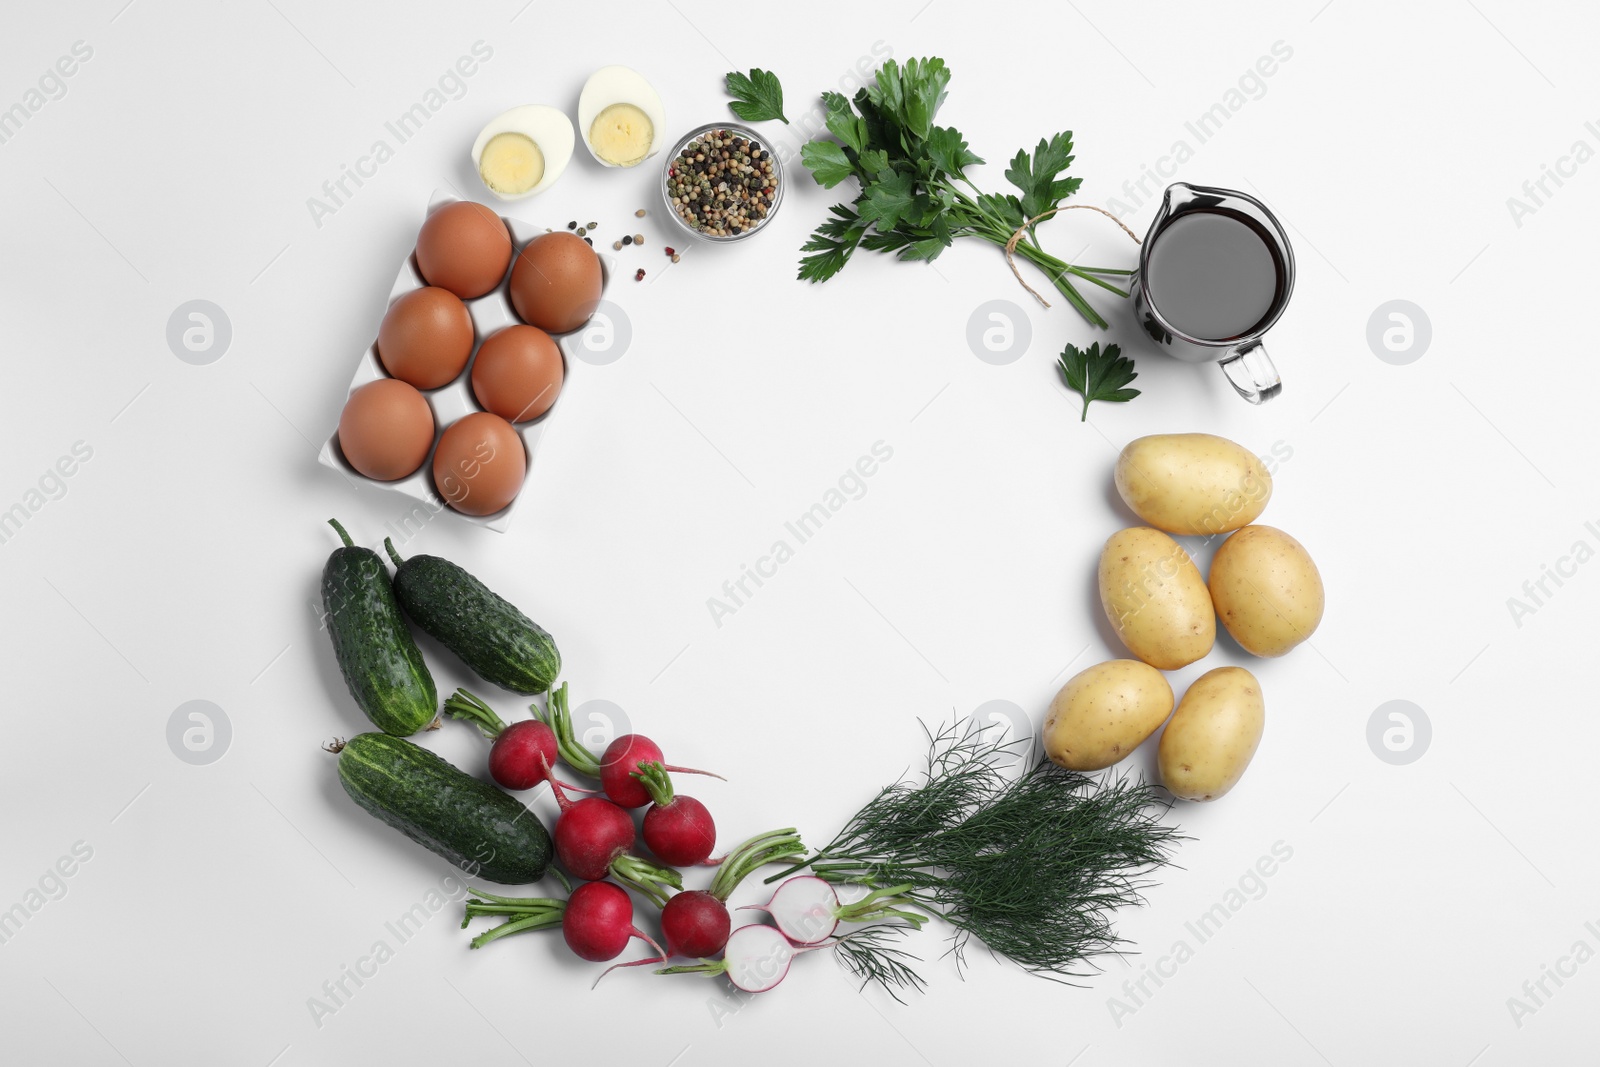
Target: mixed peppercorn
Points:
(722, 185)
(635, 239)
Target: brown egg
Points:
(426, 337)
(479, 464)
(518, 373)
(555, 282)
(464, 247)
(386, 429)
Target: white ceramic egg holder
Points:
(454, 400)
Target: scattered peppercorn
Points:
(674, 257)
(638, 238)
(638, 275)
(582, 231)
(572, 225)
(589, 242)
(592, 225)
(616, 246)
(627, 240)
(670, 252)
(721, 184)
(639, 214)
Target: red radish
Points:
(590, 834)
(598, 922)
(695, 924)
(678, 829)
(808, 911)
(592, 840)
(523, 752)
(622, 758)
(755, 959)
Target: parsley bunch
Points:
(915, 196)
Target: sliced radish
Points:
(805, 909)
(756, 959)
(808, 911)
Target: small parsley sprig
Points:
(757, 96)
(1097, 375)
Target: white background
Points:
(182, 562)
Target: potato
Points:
(1266, 589)
(1155, 598)
(1192, 483)
(1208, 744)
(1104, 713)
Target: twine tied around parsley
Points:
(1021, 231)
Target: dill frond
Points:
(869, 954)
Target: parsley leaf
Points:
(874, 161)
(948, 150)
(830, 246)
(881, 133)
(910, 96)
(826, 161)
(888, 200)
(1041, 189)
(929, 247)
(1006, 208)
(892, 241)
(757, 96)
(842, 122)
(1097, 375)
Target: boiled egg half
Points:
(621, 117)
(523, 151)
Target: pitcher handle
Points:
(1251, 373)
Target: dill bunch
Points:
(1032, 865)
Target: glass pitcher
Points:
(1242, 356)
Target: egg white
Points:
(545, 126)
(620, 85)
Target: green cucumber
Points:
(499, 643)
(377, 655)
(472, 824)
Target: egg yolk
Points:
(621, 135)
(511, 163)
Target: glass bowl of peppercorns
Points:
(722, 183)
